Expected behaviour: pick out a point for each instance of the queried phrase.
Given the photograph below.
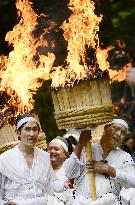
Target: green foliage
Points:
(123, 18)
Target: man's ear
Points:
(18, 132)
(66, 155)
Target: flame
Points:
(25, 65)
(120, 75)
(84, 53)
(80, 31)
(21, 70)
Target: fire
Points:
(80, 31)
(21, 70)
(84, 53)
(121, 74)
(25, 65)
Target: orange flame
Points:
(81, 34)
(80, 31)
(25, 65)
(20, 72)
(121, 74)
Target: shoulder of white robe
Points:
(45, 156)
(7, 153)
(123, 156)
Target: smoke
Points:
(130, 76)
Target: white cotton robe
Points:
(64, 198)
(26, 186)
(105, 185)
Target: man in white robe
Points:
(58, 149)
(26, 174)
(108, 172)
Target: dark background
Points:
(117, 24)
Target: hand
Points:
(100, 168)
(84, 137)
(72, 183)
(10, 203)
(97, 166)
(69, 183)
(90, 165)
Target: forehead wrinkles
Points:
(119, 126)
(30, 124)
(56, 145)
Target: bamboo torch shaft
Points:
(91, 174)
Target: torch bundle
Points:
(88, 102)
(81, 93)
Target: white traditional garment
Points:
(128, 196)
(126, 178)
(108, 199)
(118, 159)
(64, 198)
(26, 186)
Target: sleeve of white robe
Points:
(127, 178)
(126, 174)
(1, 190)
(73, 166)
(55, 185)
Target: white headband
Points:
(61, 143)
(119, 121)
(24, 120)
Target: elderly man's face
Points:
(115, 134)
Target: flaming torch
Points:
(81, 91)
(21, 70)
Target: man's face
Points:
(57, 153)
(29, 134)
(115, 134)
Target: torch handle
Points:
(91, 174)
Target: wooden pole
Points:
(91, 174)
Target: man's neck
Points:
(26, 149)
(56, 166)
(106, 149)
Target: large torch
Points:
(82, 98)
(85, 104)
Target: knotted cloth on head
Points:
(62, 141)
(119, 121)
(25, 120)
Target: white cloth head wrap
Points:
(24, 120)
(119, 121)
(65, 147)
